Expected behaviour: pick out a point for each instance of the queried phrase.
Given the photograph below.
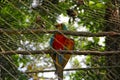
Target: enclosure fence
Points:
(28, 43)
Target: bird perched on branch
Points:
(79, 2)
(72, 13)
(61, 42)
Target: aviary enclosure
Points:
(26, 27)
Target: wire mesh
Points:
(31, 49)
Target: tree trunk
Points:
(112, 43)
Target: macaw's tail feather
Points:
(60, 75)
(59, 72)
(54, 59)
(57, 62)
(58, 65)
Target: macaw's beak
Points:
(58, 26)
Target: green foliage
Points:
(88, 75)
(11, 18)
(20, 15)
(92, 17)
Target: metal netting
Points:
(25, 52)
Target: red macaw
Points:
(61, 42)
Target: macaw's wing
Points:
(59, 62)
(69, 45)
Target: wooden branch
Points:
(74, 33)
(72, 52)
(74, 69)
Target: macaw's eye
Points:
(58, 26)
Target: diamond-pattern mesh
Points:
(25, 52)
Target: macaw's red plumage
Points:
(61, 42)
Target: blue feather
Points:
(60, 59)
(64, 27)
(51, 41)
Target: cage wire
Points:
(101, 65)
